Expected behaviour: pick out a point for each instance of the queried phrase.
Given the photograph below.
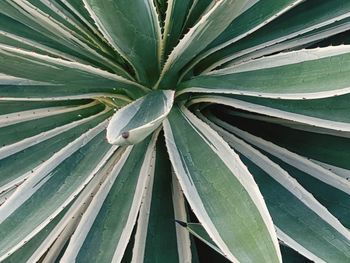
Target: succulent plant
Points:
(174, 131)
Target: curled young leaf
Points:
(134, 122)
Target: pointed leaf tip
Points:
(181, 223)
(134, 122)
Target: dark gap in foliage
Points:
(291, 256)
(128, 251)
(336, 40)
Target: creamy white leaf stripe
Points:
(11, 80)
(235, 39)
(21, 116)
(146, 169)
(288, 96)
(200, 237)
(100, 25)
(82, 18)
(4, 195)
(290, 124)
(337, 170)
(282, 59)
(204, 32)
(41, 47)
(21, 145)
(192, 195)
(103, 30)
(71, 97)
(61, 12)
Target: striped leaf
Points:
(59, 77)
(173, 28)
(294, 75)
(205, 31)
(133, 30)
(157, 214)
(297, 212)
(137, 120)
(209, 196)
(31, 202)
(305, 17)
(109, 220)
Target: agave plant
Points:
(174, 131)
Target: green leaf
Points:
(327, 183)
(105, 228)
(136, 121)
(206, 30)
(197, 9)
(60, 16)
(257, 16)
(304, 74)
(18, 129)
(333, 109)
(198, 231)
(324, 114)
(321, 148)
(50, 189)
(30, 153)
(52, 248)
(77, 7)
(306, 40)
(133, 29)
(310, 232)
(61, 77)
(301, 221)
(156, 217)
(30, 18)
(244, 230)
(186, 245)
(176, 15)
(337, 201)
(12, 107)
(305, 165)
(305, 17)
(23, 254)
